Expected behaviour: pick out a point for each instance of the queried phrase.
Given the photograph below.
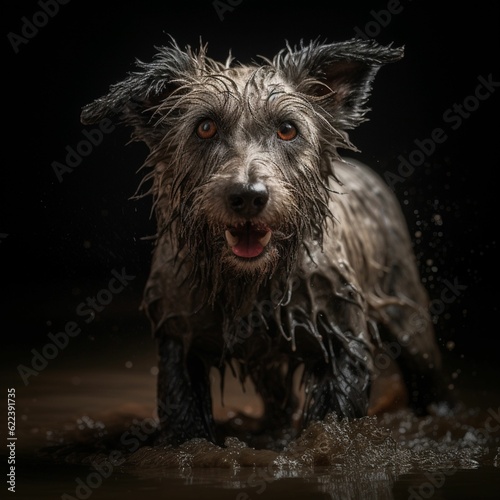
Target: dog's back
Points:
(376, 252)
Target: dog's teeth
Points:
(231, 240)
(265, 239)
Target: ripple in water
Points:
(394, 444)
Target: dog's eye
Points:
(287, 131)
(206, 129)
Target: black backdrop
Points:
(59, 241)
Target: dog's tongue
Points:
(248, 246)
(248, 241)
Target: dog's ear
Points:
(341, 74)
(135, 100)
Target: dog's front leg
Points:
(184, 404)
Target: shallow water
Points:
(88, 432)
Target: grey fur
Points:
(338, 271)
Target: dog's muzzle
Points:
(247, 200)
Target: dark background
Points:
(60, 241)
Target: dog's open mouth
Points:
(248, 240)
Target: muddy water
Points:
(86, 427)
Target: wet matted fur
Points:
(273, 253)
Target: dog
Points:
(273, 252)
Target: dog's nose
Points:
(247, 199)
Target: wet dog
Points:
(273, 253)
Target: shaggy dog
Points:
(273, 253)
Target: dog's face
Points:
(241, 154)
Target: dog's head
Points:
(241, 154)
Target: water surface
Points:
(86, 429)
